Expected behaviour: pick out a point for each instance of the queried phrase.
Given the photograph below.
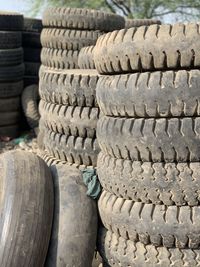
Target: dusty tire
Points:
(11, 89)
(30, 99)
(10, 130)
(83, 19)
(153, 47)
(69, 120)
(86, 58)
(154, 140)
(157, 183)
(10, 104)
(11, 57)
(59, 59)
(68, 39)
(31, 39)
(120, 252)
(27, 186)
(72, 87)
(12, 73)
(11, 21)
(129, 23)
(32, 54)
(156, 94)
(168, 226)
(9, 118)
(32, 68)
(32, 25)
(82, 151)
(10, 39)
(75, 224)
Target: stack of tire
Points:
(68, 106)
(11, 72)
(150, 140)
(129, 23)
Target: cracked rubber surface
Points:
(70, 120)
(119, 252)
(69, 87)
(153, 47)
(156, 94)
(59, 59)
(83, 19)
(86, 58)
(157, 183)
(68, 39)
(160, 225)
(10, 39)
(154, 140)
(129, 23)
(82, 151)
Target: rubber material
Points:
(12, 73)
(86, 58)
(70, 120)
(168, 226)
(156, 94)
(154, 140)
(30, 80)
(10, 39)
(32, 54)
(72, 87)
(59, 59)
(31, 39)
(153, 47)
(9, 131)
(11, 21)
(83, 19)
(27, 201)
(129, 23)
(11, 89)
(7, 118)
(32, 68)
(68, 39)
(11, 57)
(32, 25)
(10, 104)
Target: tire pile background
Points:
(150, 145)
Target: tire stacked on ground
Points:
(32, 50)
(11, 72)
(150, 140)
(129, 23)
(68, 107)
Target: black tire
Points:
(32, 54)
(28, 188)
(154, 140)
(68, 39)
(157, 183)
(59, 59)
(82, 151)
(31, 39)
(153, 47)
(86, 58)
(156, 94)
(30, 80)
(30, 99)
(72, 87)
(168, 226)
(119, 252)
(11, 57)
(83, 19)
(32, 68)
(11, 21)
(11, 73)
(74, 230)
(11, 89)
(9, 131)
(8, 118)
(10, 40)
(70, 120)
(129, 23)
(32, 25)
(10, 104)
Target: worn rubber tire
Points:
(31, 39)
(160, 225)
(32, 54)
(11, 21)
(10, 131)
(82, 18)
(32, 68)
(11, 57)
(68, 39)
(10, 104)
(11, 73)
(75, 224)
(129, 23)
(8, 118)
(11, 89)
(72, 87)
(32, 25)
(10, 39)
(30, 80)
(70, 120)
(30, 99)
(156, 94)
(82, 151)
(59, 59)
(27, 201)
(153, 47)
(157, 183)
(119, 252)
(86, 58)
(154, 140)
